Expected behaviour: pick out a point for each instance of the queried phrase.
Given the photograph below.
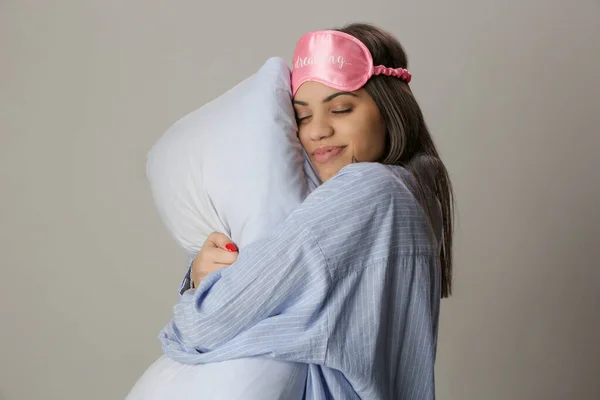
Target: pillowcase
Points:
(239, 379)
(235, 165)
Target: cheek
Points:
(302, 137)
(368, 140)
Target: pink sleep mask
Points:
(337, 60)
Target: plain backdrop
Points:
(509, 88)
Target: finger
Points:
(222, 241)
(225, 257)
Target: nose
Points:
(319, 129)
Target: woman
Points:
(351, 282)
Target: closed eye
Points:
(301, 119)
(342, 111)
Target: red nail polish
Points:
(231, 247)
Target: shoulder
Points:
(361, 189)
(363, 214)
(367, 180)
(369, 171)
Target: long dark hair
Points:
(409, 142)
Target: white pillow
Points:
(235, 166)
(244, 379)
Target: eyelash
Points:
(298, 120)
(342, 111)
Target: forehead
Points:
(315, 92)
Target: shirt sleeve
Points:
(186, 283)
(270, 298)
(290, 294)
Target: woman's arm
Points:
(245, 303)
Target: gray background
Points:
(89, 274)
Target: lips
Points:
(328, 153)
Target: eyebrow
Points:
(328, 98)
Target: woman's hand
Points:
(217, 252)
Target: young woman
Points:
(351, 283)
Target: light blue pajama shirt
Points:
(349, 284)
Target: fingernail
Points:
(231, 247)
